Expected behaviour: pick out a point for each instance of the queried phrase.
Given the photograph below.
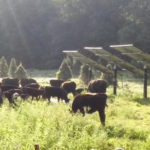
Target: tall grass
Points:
(53, 127)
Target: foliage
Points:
(66, 26)
(76, 67)
(108, 77)
(12, 68)
(3, 67)
(85, 73)
(20, 72)
(64, 71)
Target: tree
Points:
(12, 68)
(64, 72)
(85, 73)
(20, 72)
(3, 67)
(76, 68)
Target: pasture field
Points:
(52, 127)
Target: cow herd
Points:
(94, 100)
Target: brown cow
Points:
(97, 86)
(55, 92)
(92, 102)
(26, 81)
(69, 87)
(56, 82)
(32, 92)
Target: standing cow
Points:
(69, 87)
(56, 82)
(55, 92)
(91, 102)
(97, 86)
(10, 82)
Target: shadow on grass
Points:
(142, 101)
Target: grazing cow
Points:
(9, 94)
(33, 85)
(55, 92)
(32, 92)
(12, 82)
(69, 87)
(92, 102)
(26, 81)
(56, 82)
(97, 86)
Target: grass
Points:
(54, 128)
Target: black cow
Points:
(92, 102)
(97, 86)
(55, 92)
(33, 85)
(69, 87)
(12, 82)
(32, 92)
(56, 82)
(4, 88)
(26, 81)
(9, 94)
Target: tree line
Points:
(36, 32)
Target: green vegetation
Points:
(20, 72)
(54, 128)
(85, 73)
(66, 26)
(12, 68)
(64, 72)
(3, 67)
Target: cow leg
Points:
(49, 99)
(37, 98)
(11, 101)
(82, 111)
(102, 116)
(1, 100)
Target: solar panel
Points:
(85, 60)
(106, 55)
(134, 53)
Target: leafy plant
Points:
(20, 72)
(64, 71)
(12, 68)
(3, 67)
(85, 73)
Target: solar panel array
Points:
(85, 60)
(124, 56)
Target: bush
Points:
(12, 68)
(85, 73)
(3, 67)
(20, 72)
(76, 68)
(64, 72)
(108, 77)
